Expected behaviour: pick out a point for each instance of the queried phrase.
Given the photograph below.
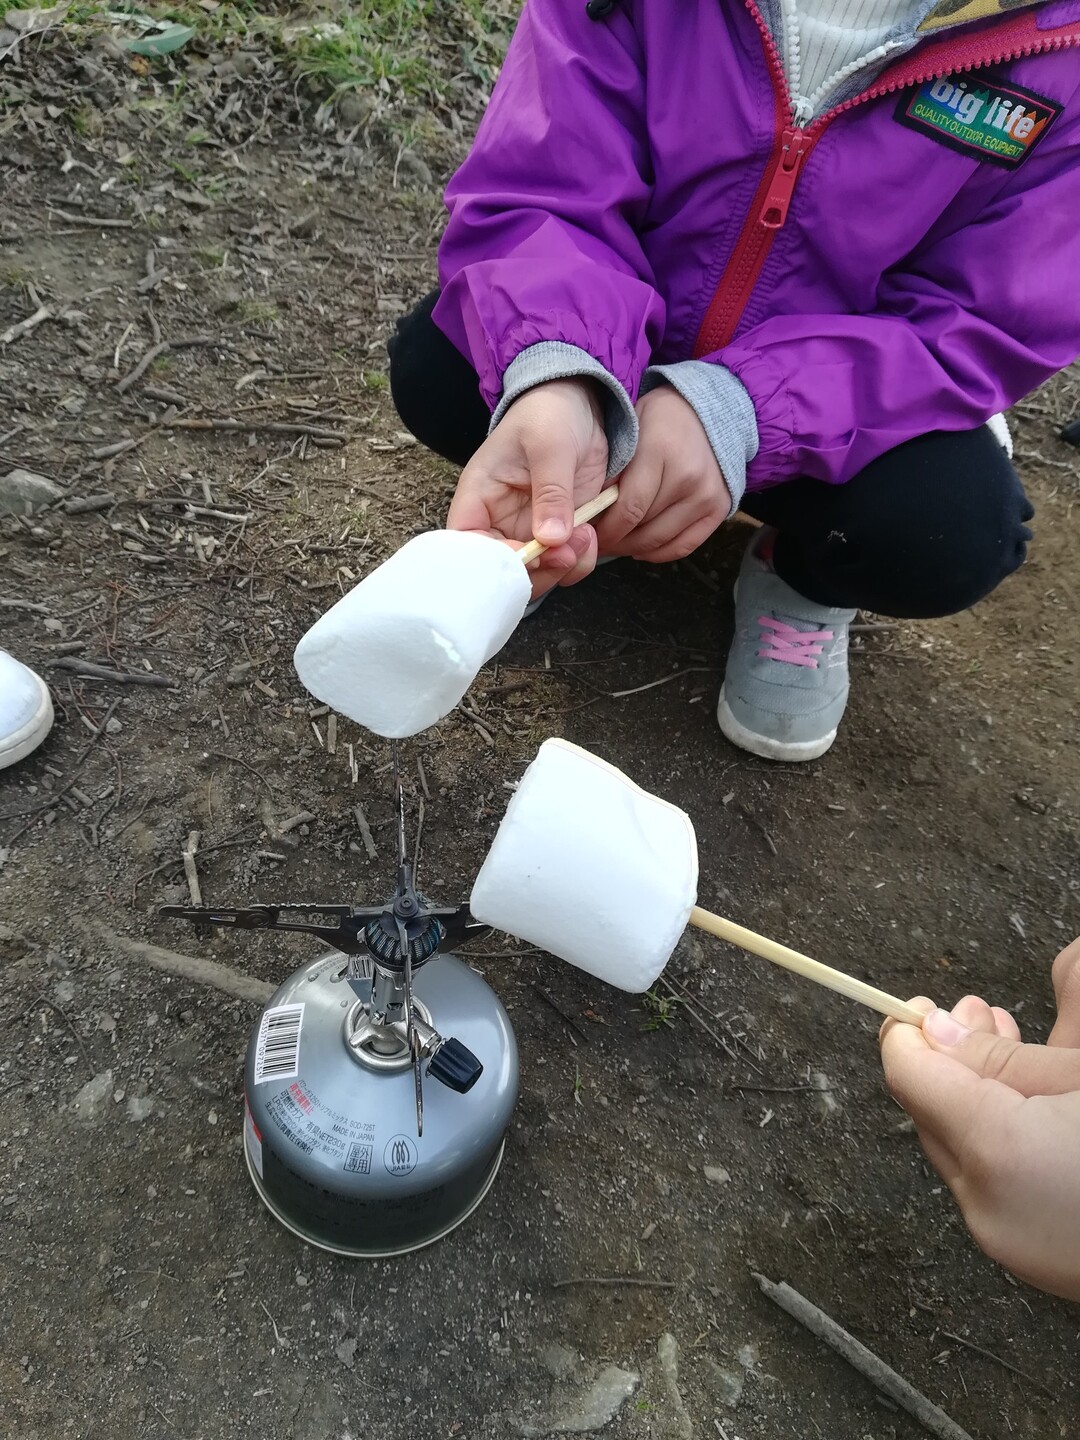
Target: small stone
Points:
(411, 164)
(106, 1023)
(346, 1353)
(212, 1117)
(245, 63)
(302, 1280)
(728, 1384)
(826, 1101)
(591, 1409)
(151, 1192)
(12, 943)
(140, 1107)
(560, 1361)
(113, 726)
(24, 490)
(667, 1352)
(748, 1356)
(92, 1102)
(717, 1175)
(354, 109)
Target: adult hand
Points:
(672, 495)
(1000, 1122)
(546, 456)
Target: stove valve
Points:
(455, 1066)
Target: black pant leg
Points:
(927, 529)
(435, 389)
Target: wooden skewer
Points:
(802, 965)
(584, 513)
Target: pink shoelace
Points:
(793, 647)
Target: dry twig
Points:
(1000, 1360)
(16, 332)
(272, 427)
(12, 603)
(633, 1282)
(118, 677)
(172, 864)
(549, 999)
(154, 352)
(184, 967)
(365, 832)
(87, 504)
(55, 795)
(95, 222)
(44, 1000)
(192, 875)
(881, 1376)
(664, 679)
(236, 760)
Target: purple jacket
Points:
(639, 191)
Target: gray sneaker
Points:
(786, 683)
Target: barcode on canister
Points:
(277, 1050)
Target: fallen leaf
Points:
(163, 43)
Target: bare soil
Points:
(145, 1292)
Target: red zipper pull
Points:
(774, 211)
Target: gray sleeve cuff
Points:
(723, 405)
(554, 360)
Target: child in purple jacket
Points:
(788, 256)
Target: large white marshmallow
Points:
(591, 867)
(399, 651)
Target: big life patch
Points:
(985, 119)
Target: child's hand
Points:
(672, 495)
(547, 455)
(1001, 1123)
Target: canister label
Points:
(277, 1050)
(253, 1141)
(400, 1155)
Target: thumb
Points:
(1027, 1069)
(1067, 991)
(552, 474)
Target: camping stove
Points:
(344, 1143)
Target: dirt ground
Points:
(144, 1291)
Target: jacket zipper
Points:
(791, 148)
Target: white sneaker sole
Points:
(17, 746)
(764, 745)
